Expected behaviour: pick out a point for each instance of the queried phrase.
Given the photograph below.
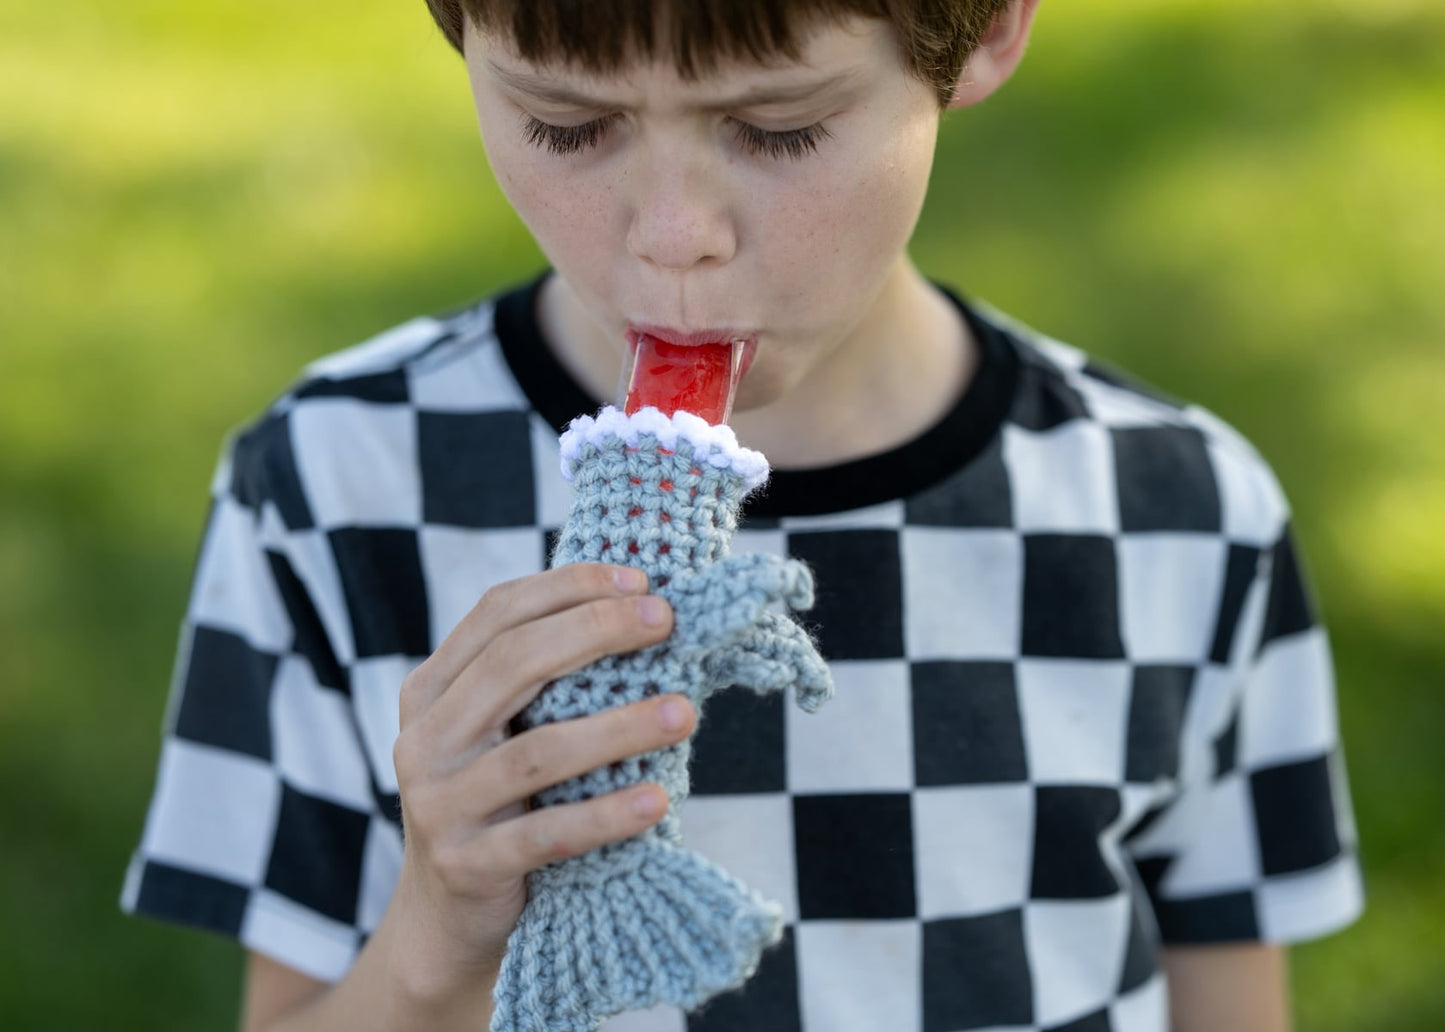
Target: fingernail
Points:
(653, 611)
(672, 714)
(629, 579)
(646, 804)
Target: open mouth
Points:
(697, 338)
(698, 372)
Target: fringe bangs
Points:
(604, 36)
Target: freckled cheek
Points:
(889, 199)
(569, 216)
(843, 231)
(535, 194)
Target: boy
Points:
(1081, 771)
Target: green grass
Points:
(1239, 202)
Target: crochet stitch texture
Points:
(646, 921)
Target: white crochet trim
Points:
(717, 445)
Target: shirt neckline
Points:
(900, 472)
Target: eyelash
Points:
(570, 139)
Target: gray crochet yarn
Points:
(645, 921)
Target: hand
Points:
(464, 780)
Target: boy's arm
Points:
(1230, 987)
(278, 998)
(272, 989)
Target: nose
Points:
(680, 212)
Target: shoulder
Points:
(1176, 465)
(356, 420)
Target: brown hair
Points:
(601, 35)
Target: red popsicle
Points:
(693, 378)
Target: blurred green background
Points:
(1241, 202)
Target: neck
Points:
(904, 366)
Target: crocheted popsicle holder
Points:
(645, 921)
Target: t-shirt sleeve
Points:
(265, 823)
(1259, 843)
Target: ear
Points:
(997, 55)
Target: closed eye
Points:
(789, 143)
(572, 139)
(564, 139)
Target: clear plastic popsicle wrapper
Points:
(701, 378)
(658, 480)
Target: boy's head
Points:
(935, 36)
(750, 168)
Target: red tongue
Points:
(699, 379)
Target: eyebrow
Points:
(542, 89)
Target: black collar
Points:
(911, 467)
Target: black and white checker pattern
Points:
(1083, 705)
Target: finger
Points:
(512, 848)
(521, 767)
(509, 605)
(513, 668)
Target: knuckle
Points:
(523, 758)
(406, 757)
(548, 840)
(509, 655)
(496, 599)
(601, 620)
(425, 810)
(623, 620)
(453, 868)
(502, 597)
(415, 688)
(596, 579)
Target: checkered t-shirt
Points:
(1084, 708)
